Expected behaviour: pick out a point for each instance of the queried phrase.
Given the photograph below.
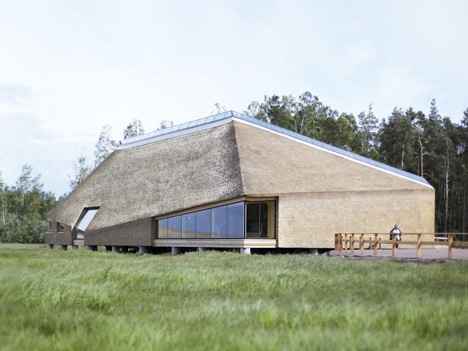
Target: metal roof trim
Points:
(177, 130)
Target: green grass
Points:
(81, 300)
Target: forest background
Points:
(429, 145)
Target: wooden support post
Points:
(393, 245)
(352, 243)
(375, 244)
(380, 243)
(361, 244)
(337, 242)
(346, 242)
(418, 252)
(450, 246)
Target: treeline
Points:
(23, 209)
(428, 145)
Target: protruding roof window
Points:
(86, 217)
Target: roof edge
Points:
(178, 130)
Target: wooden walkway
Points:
(413, 246)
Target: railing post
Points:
(450, 246)
(352, 243)
(418, 251)
(361, 243)
(375, 244)
(393, 245)
(346, 242)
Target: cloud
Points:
(15, 94)
(399, 87)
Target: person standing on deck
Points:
(397, 232)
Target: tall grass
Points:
(80, 300)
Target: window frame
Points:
(271, 220)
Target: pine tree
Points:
(368, 128)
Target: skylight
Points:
(86, 219)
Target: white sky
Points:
(67, 68)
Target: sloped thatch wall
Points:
(158, 178)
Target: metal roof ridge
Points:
(178, 130)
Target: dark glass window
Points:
(203, 224)
(257, 220)
(188, 225)
(162, 228)
(235, 220)
(219, 222)
(174, 227)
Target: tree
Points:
(254, 110)
(310, 118)
(346, 132)
(134, 128)
(105, 145)
(2, 189)
(368, 127)
(25, 184)
(464, 135)
(165, 123)
(219, 108)
(463, 172)
(24, 208)
(398, 140)
(275, 110)
(81, 170)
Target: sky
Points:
(68, 68)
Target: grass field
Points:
(80, 300)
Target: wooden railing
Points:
(374, 241)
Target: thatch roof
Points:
(218, 158)
(157, 178)
(274, 163)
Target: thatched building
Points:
(231, 181)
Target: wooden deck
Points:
(412, 244)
